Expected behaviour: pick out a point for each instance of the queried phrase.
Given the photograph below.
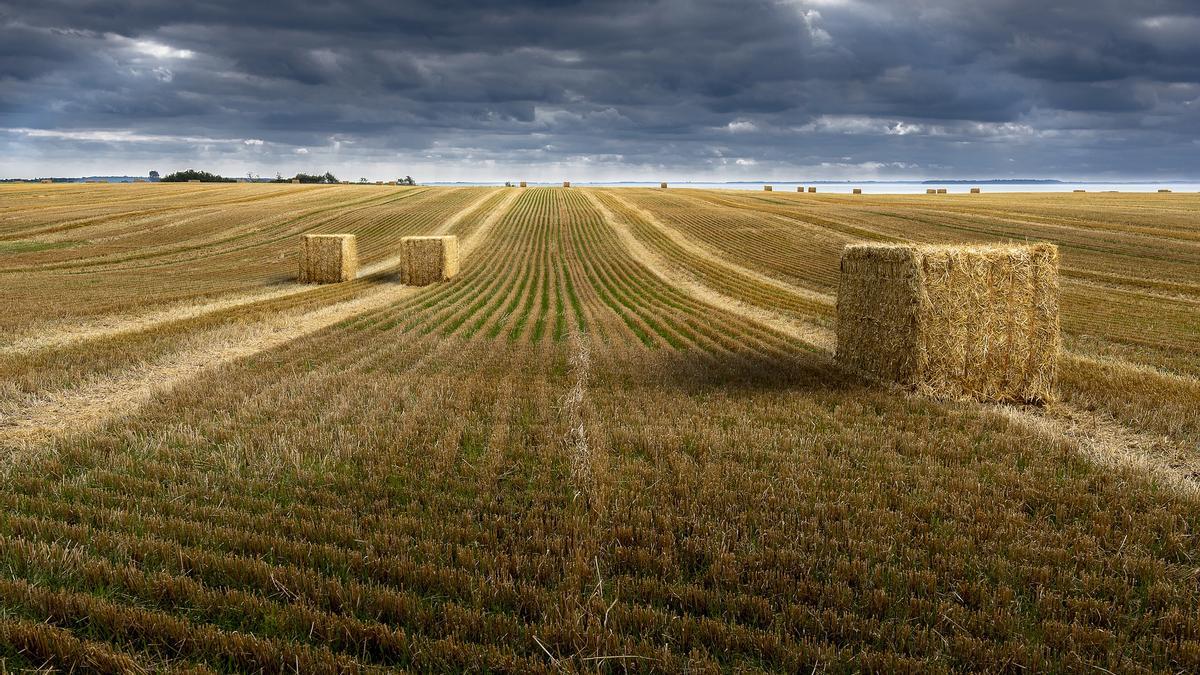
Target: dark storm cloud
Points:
(736, 88)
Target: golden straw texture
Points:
(974, 322)
(428, 260)
(328, 258)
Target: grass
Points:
(20, 246)
(426, 486)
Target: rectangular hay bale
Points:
(958, 322)
(941, 191)
(566, 183)
(328, 258)
(857, 191)
(974, 191)
(662, 186)
(522, 183)
(428, 260)
(799, 188)
(767, 188)
(812, 189)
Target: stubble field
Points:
(618, 440)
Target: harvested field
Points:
(617, 439)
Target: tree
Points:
(153, 175)
(408, 180)
(192, 174)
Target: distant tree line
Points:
(192, 174)
(327, 177)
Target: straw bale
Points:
(767, 188)
(566, 183)
(975, 191)
(295, 180)
(428, 260)
(1078, 190)
(1164, 190)
(931, 191)
(799, 188)
(857, 191)
(958, 322)
(662, 186)
(328, 258)
(812, 189)
(941, 191)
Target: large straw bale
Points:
(812, 189)
(662, 186)
(857, 191)
(428, 260)
(941, 191)
(566, 183)
(974, 191)
(1164, 190)
(799, 188)
(977, 322)
(931, 191)
(767, 188)
(522, 183)
(328, 258)
(1078, 190)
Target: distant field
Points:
(618, 440)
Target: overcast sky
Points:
(603, 90)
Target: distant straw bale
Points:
(976, 322)
(1078, 190)
(812, 189)
(522, 183)
(566, 183)
(328, 258)
(799, 188)
(428, 260)
(941, 191)
(1164, 190)
(767, 188)
(931, 191)
(662, 186)
(857, 191)
(974, 191)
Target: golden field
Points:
(617, 440)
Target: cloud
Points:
(627, 87)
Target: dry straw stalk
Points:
(973, 322)
(428, 260)
(328, 258)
